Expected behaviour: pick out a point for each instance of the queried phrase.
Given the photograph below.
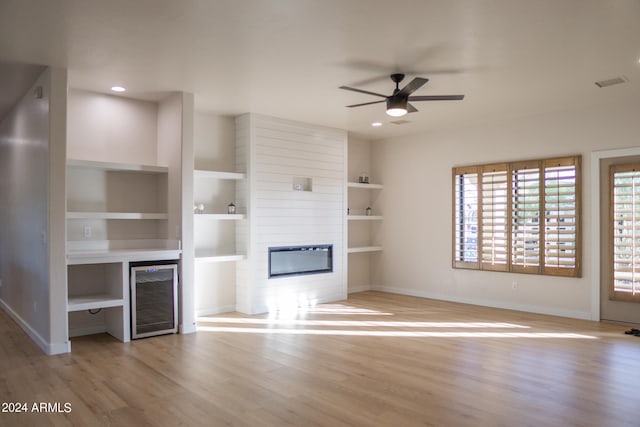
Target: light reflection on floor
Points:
(295, 322)
(423, 334)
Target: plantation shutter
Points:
(494, 208)
(465, 220)
(561, 217)
(525, 217)
(625, 231)
(522, 217)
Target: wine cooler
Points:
(154, 300)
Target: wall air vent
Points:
(400, 122)
(611, 82)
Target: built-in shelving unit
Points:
(97, 299)
(361, 249)
(113, 166)
(116, 215)
(102, 198)
(218, 174)
(93, 302)
(203, 255)
(365, 186)
(364, 230)
(364, 217)
(221, 217)
(123, 202)
(367, 248)
(214, 253)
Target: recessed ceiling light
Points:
(376, 124)
(118, 89)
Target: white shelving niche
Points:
(361, 236)
(217, 179)
(215, 241)
(123, 202)
(116, 201)
(98, 299)
(116, 214)
(364, 232)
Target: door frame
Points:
(596, 156)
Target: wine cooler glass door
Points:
(154, 294)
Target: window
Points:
(465, 206)
(625, 232)
(528, 217)
(494, 207)
(525, 217)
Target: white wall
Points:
(32, 265)
(416, 171)
(111, 128)
(278, 152)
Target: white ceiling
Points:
(286, 58)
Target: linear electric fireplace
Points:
(298, 260)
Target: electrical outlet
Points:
(514, 285)
(86, 231)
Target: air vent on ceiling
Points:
(400, 122)
(611, 82)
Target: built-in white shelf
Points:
(218, 175)
(116, 215)
(121, 255)
(110, 251)
(112, 166)
(221, 216)
(366, 186)
(361, 249)
(364, 217)
(93, 302)
(210, 255)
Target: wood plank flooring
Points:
(374, 360)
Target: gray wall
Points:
(24, 168)
(32, 223)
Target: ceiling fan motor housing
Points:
(397, 101)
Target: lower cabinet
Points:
(99, 295)
(98, 299)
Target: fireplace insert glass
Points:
(298, 260)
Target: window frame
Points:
(544, 199)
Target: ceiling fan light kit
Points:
(396, 106)
(398, 102)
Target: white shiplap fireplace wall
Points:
(275, 154)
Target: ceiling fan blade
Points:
(362, 91)
(437, 98)
(411, 108)
(365, 103)
(414, 85)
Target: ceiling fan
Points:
(398, 102)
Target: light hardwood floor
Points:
(374, 360)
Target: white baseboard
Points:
(48, 348)
(361, 288)
(215, 310)
(582, 315)
(188, 329)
